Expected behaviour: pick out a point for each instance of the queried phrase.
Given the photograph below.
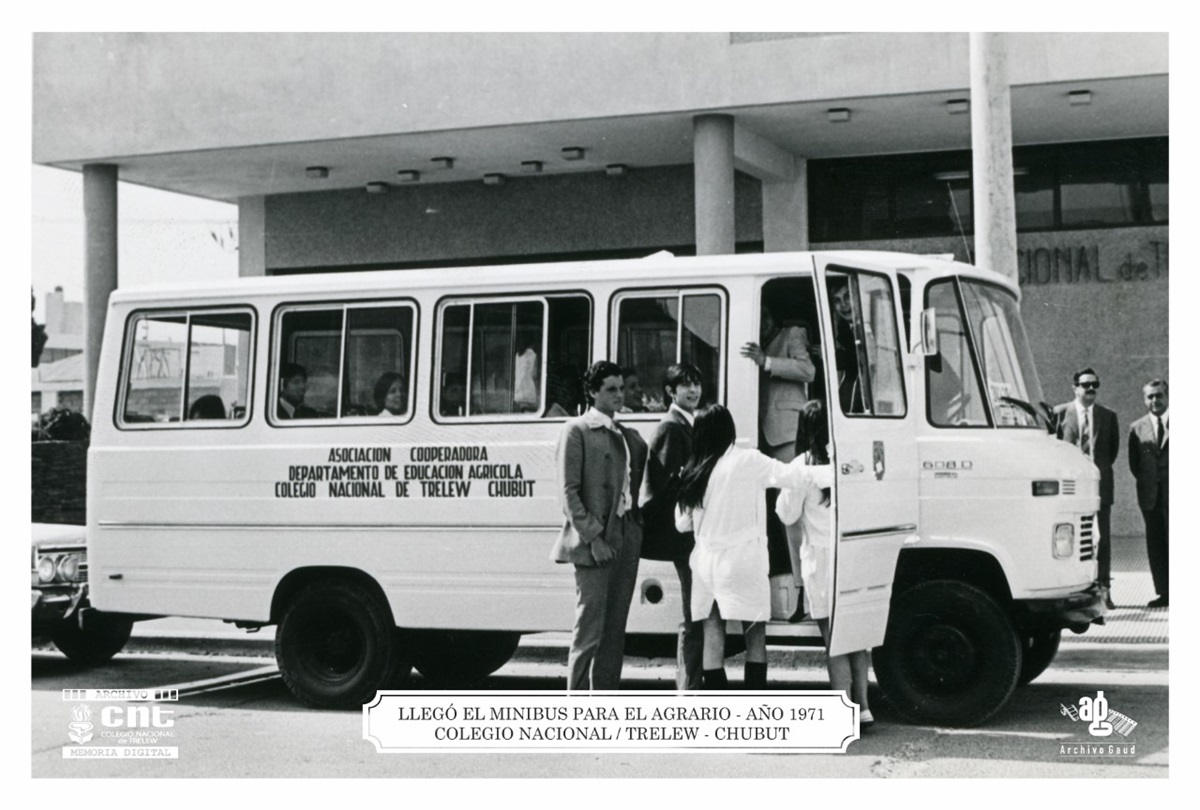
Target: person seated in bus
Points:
(720, 501)
(391, 394)
(208, 406)
(293, 386)
(845, 346)
(670, 448)
(635, 397)
(563, 392)
(600, 465)
(805, 510)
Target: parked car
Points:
(59, 592)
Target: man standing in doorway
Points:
(1149, 439)
(1095, 430)
(600, 466)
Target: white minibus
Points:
(366, 461)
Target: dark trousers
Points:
(1104, 546)
(602, 598)
(1157, 547)
(689, 657)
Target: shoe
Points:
(1160, 602)
(1100, 620)
(865, 719)
(798, 615)
(1108, 602)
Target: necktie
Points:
(1085, 438)
(1159, 431)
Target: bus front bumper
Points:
(1074, 612)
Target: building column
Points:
(252, 236)
(995, 212)
(785, 211)
(100, 267)
(713, 147)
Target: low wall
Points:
(59, 482)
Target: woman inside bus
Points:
(391, 394)
(805, 511)
(721, 501)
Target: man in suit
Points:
(786, 364)
(1149, 443)
(670, 448)
(293, 386)
(600, 465)
(1095, 430)
(787, 367)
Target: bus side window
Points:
(951, 377)
(188, 367)
(345, 361)
(655, 330)
(523, 358)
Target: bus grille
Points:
(1087, 541)
(1068, 487)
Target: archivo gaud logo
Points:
(1102, 722)
(133, 724)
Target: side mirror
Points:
(930, 347)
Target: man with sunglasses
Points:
(1094, 430)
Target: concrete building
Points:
(351, 152)
(58, 380)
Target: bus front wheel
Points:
(1039, 651)
(459, 658)
(336, 645)
(951, 655)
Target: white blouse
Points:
(734, 511)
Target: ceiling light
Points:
(377, 188)
(531, 166)
(443, 162)
(316, 172)
(409, 175)
(958, 106)
(573, 153)
(616, 170)
(838, 115)
(493, 179)
(1079, 97)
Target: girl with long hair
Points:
(722, 500)
(805, 511)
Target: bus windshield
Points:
(1006, 362)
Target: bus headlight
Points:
(1064, 540)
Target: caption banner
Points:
(663, 722)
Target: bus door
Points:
(874, 449)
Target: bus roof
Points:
(661, 265)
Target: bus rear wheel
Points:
(336, 645)
(1038, 653)
(951, 655)
(458, 658)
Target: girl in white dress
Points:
(722, 500)
(805, 511)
